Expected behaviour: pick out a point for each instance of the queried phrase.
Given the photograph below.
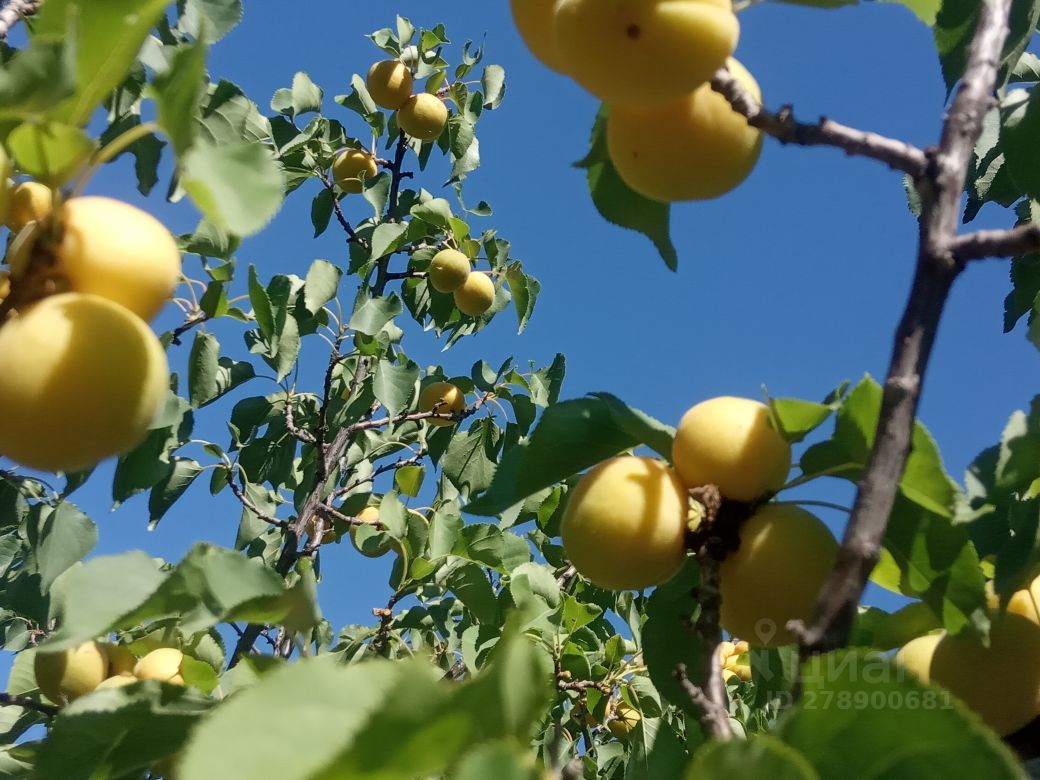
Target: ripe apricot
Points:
(624, 721)
(729, 442)
(444, 398)
(28, 202)
(643, 51)
(81, 379)
(423, 116)
(693, 147)
(120, 660)
(163, 664)
(475, 295)
(784, 559)
(449, 270)
(625, 523)
(1000, 683)
(1024, 602)
(349, 166)
(115, 250)
(389, 83)
(534, 22)
(370, 514)
(68, 674)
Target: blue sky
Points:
(795, 281)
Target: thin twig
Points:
(400, 463)
(380, 645)
(25, 702)
(983, 244)
(396, 175)
(248, 504)
(787, 130)
(714, 716)
(15, 10)
(352, 236)
(290, 423)
(195, 319)
(937, 268)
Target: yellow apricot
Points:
(1001, 683)
(449, 270)
(643, 51)
(68, 674)
(475, 295)
(117, 681)
(1024, 602)
(81, 379)
(534, 22)
(163, 664)
(444, 398)
(423, 116)
(349, 166)
(783, 562)
(119, 252)
(5, 285)
(370, 514)
(389, 83)
(694, 147)
(120, 660)
(729, 442)
(625, 523)
(30, 201)
(916, 656)
(624, 721)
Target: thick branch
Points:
(937, 268)
(714, 715)
(983, 244)
(787, 130)
(15, 10)
(396, 175)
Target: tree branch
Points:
(783, 126)
(937, 268)
(25, 702)
(352, 236)
(983, 244)
(715, 716)
(381, 643)
(248, 504)
(396, 175)
(15, 10)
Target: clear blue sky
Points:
(795, 281)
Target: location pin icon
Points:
(765, 630)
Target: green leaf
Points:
(669, 636)
(321, 284)
(50, 151)
(436, 212)
(108, 38)
(387, 238)
(469, 584)
(211, 376)
(171, 487)
(861, 717)
(61, 537)
(118, 731)
(177, 94)
(238, 186)
(374, 313)
(394, 385)
(210, 20)
(1018, 138)
(525, 290)
(213, 585)
(619, 204)
(408, 480)
(761, 756)
(470, 459)
(89, 599)
(306, 95)
(797, 418)
(499, 760)
(571, 437)
(36, 79)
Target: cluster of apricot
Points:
(81, 374)
(422, 116)
(67, 675)
(669, 135)
(626, 521)
(999, 681)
